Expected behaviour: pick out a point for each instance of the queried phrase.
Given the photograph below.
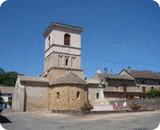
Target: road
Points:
(48, 121)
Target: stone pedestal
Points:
(102, 104)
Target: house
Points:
(115, 86)
(145, 80)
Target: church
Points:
(62, 85)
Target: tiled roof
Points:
(6, 89)
(70, 78)
(113, 76)
(143, 74)
(33, 79)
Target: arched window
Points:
(67, 39)
(78, 95)
(49, 40)
(152, 87)
(97, 95)
(66, 61)
(58, 95)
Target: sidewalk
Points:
(93, 116)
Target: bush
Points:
(153, 93)
(135, 106)
(86, 106)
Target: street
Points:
(48, 121)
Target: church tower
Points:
(62, 51)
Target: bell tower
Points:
(62, 51)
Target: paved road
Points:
(45, 121)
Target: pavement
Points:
(54, 121)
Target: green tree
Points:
(9, 78)
(153, 93)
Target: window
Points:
(58, 95)
(49, 40)
(78, 95)
(124, 88)
(97, 95)
(143, 89)
(116, 87)
(67, 39)
(66, 61)
(152, 87)
(143, 82)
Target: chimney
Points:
(98, 71)
(129, 69)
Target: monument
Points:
(102, 104)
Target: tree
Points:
(8, 78)
(153, 93)
(1, 99)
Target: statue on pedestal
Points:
(102, 104)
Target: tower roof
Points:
(61, 25)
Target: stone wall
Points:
(55, 74)
(36, 98)
(65, 97)
(152, 103)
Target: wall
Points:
(58, 60)
(36, 98)
(18, 97)
(54, 74)
(153, 103)
(92, 94)
(67, 97)
(116, 82)
(148, 81)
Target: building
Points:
(6, 92)
(115, 86)
(145, 80)
(61, 86)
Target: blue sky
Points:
(117, 33)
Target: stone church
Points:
(61, 86)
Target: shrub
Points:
(153, 93)
(135, 106)
(86, 106)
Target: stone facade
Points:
(36, 98)
(54, 74)
(70, 97)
